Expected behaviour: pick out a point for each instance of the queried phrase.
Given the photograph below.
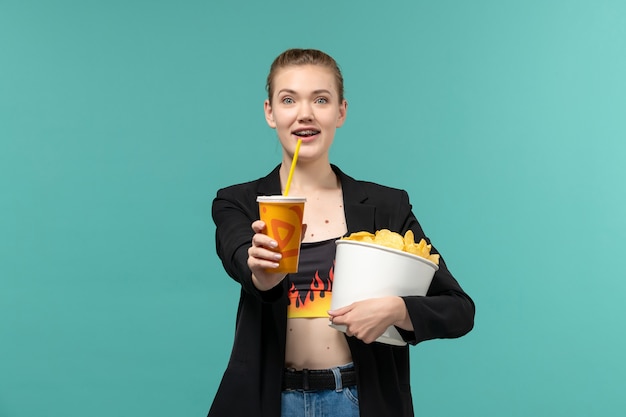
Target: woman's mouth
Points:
(306, 133)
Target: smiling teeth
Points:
(306, 133)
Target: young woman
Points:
(286, 361)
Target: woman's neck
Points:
(309, 177)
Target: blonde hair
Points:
(294, 57)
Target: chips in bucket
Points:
(387, 238)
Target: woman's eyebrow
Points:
(323, 91)
(315, 92)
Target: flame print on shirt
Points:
(312, 302)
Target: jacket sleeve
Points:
(446, 311)
(233, 216)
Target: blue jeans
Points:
(340, 402)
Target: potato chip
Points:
(409, 238)
(387, 238)
(361, 235)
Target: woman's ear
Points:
(343, 112)
(269, 114)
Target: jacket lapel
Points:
(270, 184)
(359, 214)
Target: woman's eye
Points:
(288, 100)
(321, 100)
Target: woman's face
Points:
(305, 105)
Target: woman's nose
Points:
(305, 113)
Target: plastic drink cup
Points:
(283, 217)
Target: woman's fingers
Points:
(365, 320)
(258, 226)
(262, 258)
(263, 248)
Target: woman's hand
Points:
(368, 319)
(262, 258)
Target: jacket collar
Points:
(359, 214)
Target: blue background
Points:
(119, 120)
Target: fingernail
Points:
(278, 256)
(273, 244)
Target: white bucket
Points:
(365, 270)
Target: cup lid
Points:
(279, 199)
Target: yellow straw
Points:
(293, 167)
